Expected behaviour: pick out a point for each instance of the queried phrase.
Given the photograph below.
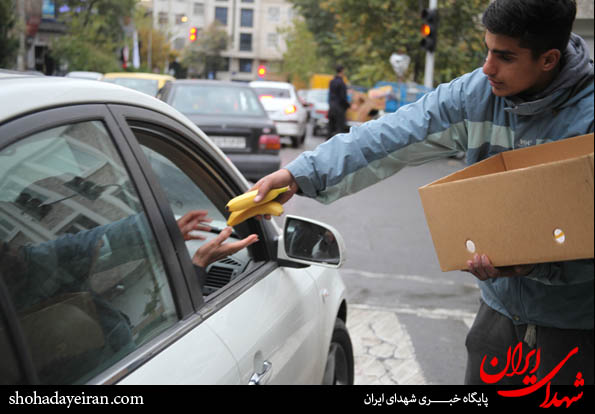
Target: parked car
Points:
(317, 100)
(97, 284)
(81, 74)
(233, 118)
(284, 107)
(149, 83)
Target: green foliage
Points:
(363, 35)
(9, 43)
(204, 55)
(302, 59)
(94, 34)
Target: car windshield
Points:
(148, 86)
(273, 92)
(318, 95)
(215, 100)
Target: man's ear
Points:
(550, 59)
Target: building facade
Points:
(251, 24)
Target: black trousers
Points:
(492, 334)
(337, 121)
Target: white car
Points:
(97, 285)
(318, 101)
(285, 109)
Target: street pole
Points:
(21, 57)
(429, 70)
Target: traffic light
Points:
(262, 71)
(192, 34)
(429, 29)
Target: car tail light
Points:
(291, 109)
(269, 142)
(266, 96)
(321, 112)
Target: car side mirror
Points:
(310, 242)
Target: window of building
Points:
(198, 9)
(246, 42)
(274, 14)
(247, 18)
(246, 65)
(221, 14)
(163, 18)
(272, 39)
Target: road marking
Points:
(383, 351)
(413, 278)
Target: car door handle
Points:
(258, 377)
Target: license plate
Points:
(230, 142)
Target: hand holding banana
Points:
(244, 207)
(265, 198)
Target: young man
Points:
(536, 85)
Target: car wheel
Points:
(339, 363)
(295, 142)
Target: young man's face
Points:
(511, 69)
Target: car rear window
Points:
(273, 92)
(213, 100)
(148, 86)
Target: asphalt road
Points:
(408, 320)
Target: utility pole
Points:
(21, 26)
(429, 70)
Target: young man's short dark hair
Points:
(540, 25)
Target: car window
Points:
(148, 86)
(77, 254)
(216, 100)
(189, 187)
(273, 92)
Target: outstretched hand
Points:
(192, 221)
(217, 249)
(481, 267)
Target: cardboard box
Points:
(531, 205)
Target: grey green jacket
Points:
(464, 115)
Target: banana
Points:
(273, 208)
(245, 200)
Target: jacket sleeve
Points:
(430, 128)
(563, 273)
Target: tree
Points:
(94, 34)
(148, 36)
(9, 44)
(363, 35)
(302, 59)
(203, 56)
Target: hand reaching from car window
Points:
(215, 249)
(192, 221)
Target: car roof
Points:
(44, 92)
(271, 84)
(210, 82)
(138, 75)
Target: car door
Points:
(91, 289)
(268, 316)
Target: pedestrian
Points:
(338, 104)
(535, 85)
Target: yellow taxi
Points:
(149, 83)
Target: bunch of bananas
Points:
(243, 206)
